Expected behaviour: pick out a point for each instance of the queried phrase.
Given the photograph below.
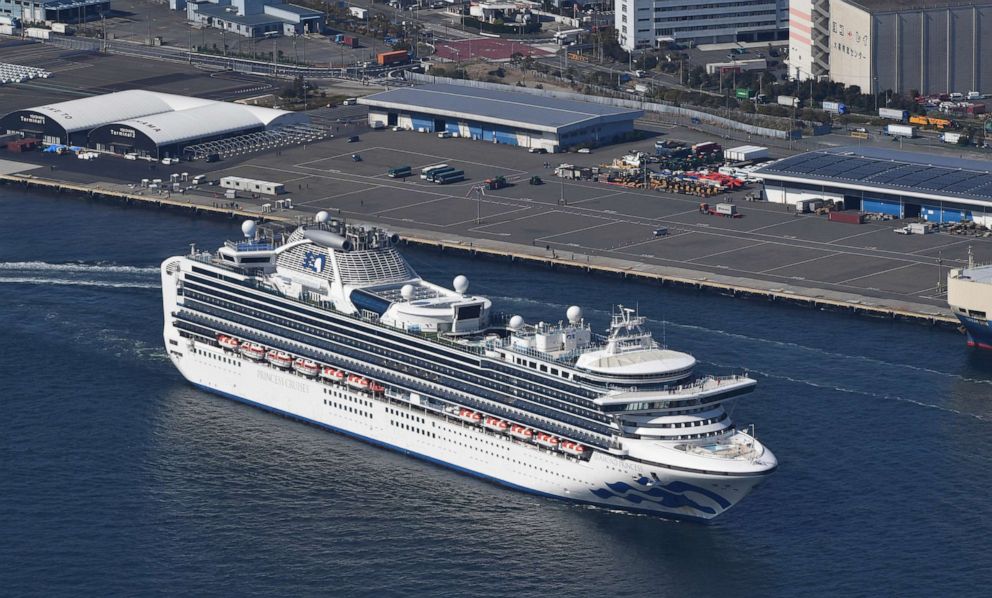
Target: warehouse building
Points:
(252, 18)
(142, 122)
(902, 45)
(875, 180)
(508, 117)
(60, 11)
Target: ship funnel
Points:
(328, 239)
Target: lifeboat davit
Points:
(227, 342)
(279, 359)
(377, 388)
(573, 448)
(521, 432)
(253, 351)
(546, 440)
(469, 415)
(358, 382)
(306, 367)
(496, 424)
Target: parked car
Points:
(537, 150)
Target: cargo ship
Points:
(969, 295)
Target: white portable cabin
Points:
(252, 185)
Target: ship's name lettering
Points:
(290, 384)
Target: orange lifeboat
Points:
(253, 351)
(227, 342)
(279, 359)
(573, 448)
(521, 432)
(546, 440)
(306, 367)
(328, 373)
(495, 424)
(358, 382)
(468, 415)
(376, 388)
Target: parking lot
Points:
(577, 218)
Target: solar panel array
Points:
(970, 180)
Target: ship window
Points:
(976, 314)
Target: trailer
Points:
(957, 138)
(349, 41)
(893, 114)
(900, 131)
(791, 101)
(834, 107)
(745, 153)
(394, 57)
(727, 210)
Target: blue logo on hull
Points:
(671, 495)
(314, 262)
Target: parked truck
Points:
(900, 131)
(789, 101)
(915, 228)
(958, 138)
(349, 41)
(834, 107)
(893, 114)
(393, 57)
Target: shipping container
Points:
(60, 28)
(745, 153)
(349, 41)
(835, 107)
(788, 101)
(893, 114)
(726, 209)
(37, 33)
(900, 130)
(394, 57)
(850, 217)
(707, 147)
(951, 137)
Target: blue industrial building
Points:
(876, 180)
(498, 116)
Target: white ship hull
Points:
(603, 479)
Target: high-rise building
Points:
(647, 23)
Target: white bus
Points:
(425, 173)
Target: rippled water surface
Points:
(117, 477)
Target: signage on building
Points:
(742, 93)
(33, 119)
(122, 132)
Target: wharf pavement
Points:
(817, 298)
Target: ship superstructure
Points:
(331, 325)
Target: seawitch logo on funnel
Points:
(313, 262)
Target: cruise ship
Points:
(969, 294)
(330, 325)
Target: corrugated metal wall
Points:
(941, 49)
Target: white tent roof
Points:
(215, 118)
(87, 113)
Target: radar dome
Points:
(248, 227)
(516, 323)
(574, 314)
(322, 217)
(461, 284)
(407, 292)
